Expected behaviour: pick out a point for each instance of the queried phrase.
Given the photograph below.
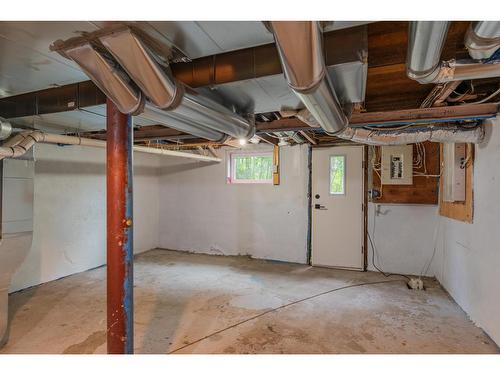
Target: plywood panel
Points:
(424, 189)
(462, 211)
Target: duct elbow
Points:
(425, 42)
(483, 39)
(300, 49)
(432, 76)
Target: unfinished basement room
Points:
(289, 186)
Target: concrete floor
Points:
(181, 297)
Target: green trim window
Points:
(337, 174)
(251, 168)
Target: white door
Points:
(337, 207)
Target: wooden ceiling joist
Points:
(391, 97)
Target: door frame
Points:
(365, 200)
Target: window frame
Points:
(231, 172)
(344, 182)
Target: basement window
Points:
(251, 168)
(337, 174)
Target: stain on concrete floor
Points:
(89, 345)
(182, 297)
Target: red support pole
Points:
(119, 231)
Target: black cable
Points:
(386, 274)
(276, 309)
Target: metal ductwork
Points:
(300, 47)
(483, 39)
(425, 43)
(112, 81)
(140, 64)
(139, 82)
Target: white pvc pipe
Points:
(22, 142)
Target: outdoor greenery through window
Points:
(337, 174)
(251, 168)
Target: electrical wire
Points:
(374, 250)
(427, 265)
(464, 164)
(370, 127)
(276, 309)
(485, 99)
(386, 274)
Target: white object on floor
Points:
(417, 284)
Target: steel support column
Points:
(119, 232)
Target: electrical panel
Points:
(454, 159)
(397, 165)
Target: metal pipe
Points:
(166, 93)
(182, 124)
(124, 68)
(425, 43)
(112, 81)
(300, 49)
(461, 70)
(119, 188)
(483, 39)
(140, 64)
(19, 144)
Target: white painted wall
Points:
(69, 212)
(201, 212)
(468, 258)
(403, 236)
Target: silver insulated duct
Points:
(300, 49)
(426, 41)
(445, 133)
(483, 39)
(139, 82)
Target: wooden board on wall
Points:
(424, 190)
(462, 211)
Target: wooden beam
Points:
(425, 115)
(276, 165)
(388, 87)
(462, 211)
(391, 118)
(267, 139)
(306, 136)
(212, 152)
